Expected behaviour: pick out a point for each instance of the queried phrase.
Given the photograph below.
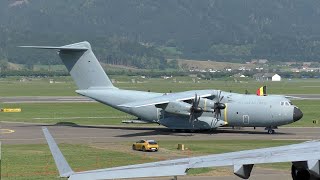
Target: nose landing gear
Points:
(270, 130)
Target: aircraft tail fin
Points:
(82, 65)
(61, 163)
(262, 91)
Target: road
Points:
(25, 133)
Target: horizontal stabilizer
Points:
(82, 46)
(58, 48)
(61, 163)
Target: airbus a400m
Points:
(189, 110)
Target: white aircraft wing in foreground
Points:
(304, 157)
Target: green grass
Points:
(37, 87)
(284, 87)
(35, 161)
(64, 86)
(79, 113)
(50, 68)
(196, 148)
(310, 109)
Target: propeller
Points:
(218, 106)
(216, 109)
(194, 109)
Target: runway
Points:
(45, 99)
(32, 134)
(81, 99)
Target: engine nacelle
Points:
(305, 170)
(180, 108)
(208, 104)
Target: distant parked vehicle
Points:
(146, 145)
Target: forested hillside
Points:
(142, 33)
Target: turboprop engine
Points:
(197, 106)
(305, 170)
(180, 108)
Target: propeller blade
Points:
(218, 106)
(221, 99)
(198, 102)
(193, 101)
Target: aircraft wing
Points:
(307, 154)
(166, 98)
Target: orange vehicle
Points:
(146, 145)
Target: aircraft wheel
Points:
(271, 131)
(143, 149)
(192, 130)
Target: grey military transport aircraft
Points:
(305, 159)
(189, 110)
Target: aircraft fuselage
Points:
(241, 110)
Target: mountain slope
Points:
(208, 29)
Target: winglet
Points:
(61, 163)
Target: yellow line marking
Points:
(225, 114)
(6, 131)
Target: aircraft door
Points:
(246, 119)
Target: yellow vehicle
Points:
(146, 145)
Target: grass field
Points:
(35, 161)
(64, 86)
(79, 113)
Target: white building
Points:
(276, 77)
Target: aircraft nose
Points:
(297, 114)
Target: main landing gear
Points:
(270, 130)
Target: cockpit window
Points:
(285, 103)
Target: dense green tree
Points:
(142, 33)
